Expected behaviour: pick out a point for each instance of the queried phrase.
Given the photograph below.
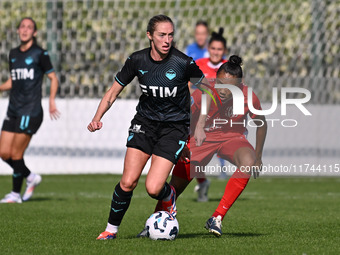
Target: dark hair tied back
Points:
(234, 59)
(218, 37)
(220, 31)
(232, 67)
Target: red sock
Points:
(200, 180)
(159, 206)
(236, 184)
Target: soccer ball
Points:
(162, 226)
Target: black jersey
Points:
(27, 71)
(164, 84)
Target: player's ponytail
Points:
(218, 37)
(234, 59)
(34, 26)
(232, 67)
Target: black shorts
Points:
(164, 139)
(22, 124)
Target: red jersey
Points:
(208, 68)
(221, 122)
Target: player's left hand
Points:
(257, 168)
(54, 113)
(94, 125)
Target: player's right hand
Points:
(257, 168)
(95, 125)
(199, 136)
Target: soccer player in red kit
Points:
(217, 48)
(225, 139)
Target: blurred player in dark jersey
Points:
(160, 127)
(225, 139)
(28, 64)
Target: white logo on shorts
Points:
(137, 129)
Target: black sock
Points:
(22, 168)
(119, 205)
(9, 162)
(20, 172)
(165, 192)
(18, 176)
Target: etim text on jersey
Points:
(22, 74)
(159, 91)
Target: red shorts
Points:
(201, 155)
(226, 148)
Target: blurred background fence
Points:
(282, 42)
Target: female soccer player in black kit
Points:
(161, 126)
(27, 64)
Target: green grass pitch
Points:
(272, 216)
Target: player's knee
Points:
(128, 185)
(16, 152)
(245, 157)
(153, 190)
(5, 155)
(247, 163)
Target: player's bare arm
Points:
(7, 85)
(105, 104)
(54, 113)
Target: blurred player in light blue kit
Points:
(199, 49)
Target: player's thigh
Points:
(134, 163)
(237, 150)
(201, 155)
(244, 156)
(19, 145)
(158, 173)
(6, 141)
